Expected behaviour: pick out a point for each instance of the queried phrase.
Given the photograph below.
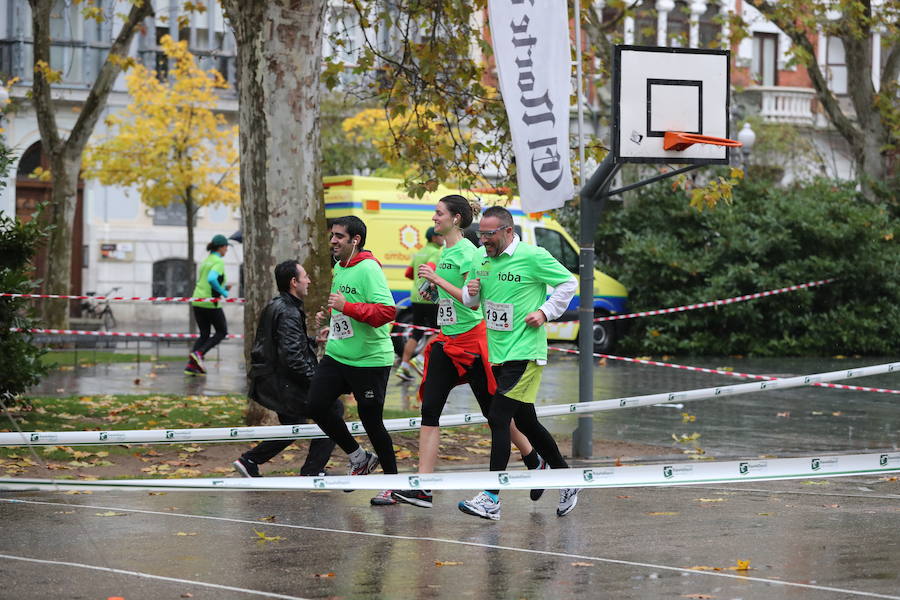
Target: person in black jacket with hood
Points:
(282, 362)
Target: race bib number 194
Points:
(341, 327)
(498, 315)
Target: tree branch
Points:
(96, 100)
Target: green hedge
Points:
(668, 254)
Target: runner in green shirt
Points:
(358, 354)
(424, 310)
(510, 282)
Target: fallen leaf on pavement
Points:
(582, 564)
(110, 513)
(324, 575)
(182, 533)
(662, 514)
(265, 538)
(710, 499)
(698, 596)
(270, 518)
(446, 563)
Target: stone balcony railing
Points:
(794, 105)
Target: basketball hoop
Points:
(679, 140)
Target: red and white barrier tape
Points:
(180, 336)
(663, 311)
(655, 363)
(123, 298)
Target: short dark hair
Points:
(354, 226)
(499, 213)
(284, 272)
(459, 205)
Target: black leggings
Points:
(368, 385)
(320, 449)
(206, 318)
(441, 378)
(504, 409)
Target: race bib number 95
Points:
(498, 315)
(341, 327)
(446, 312)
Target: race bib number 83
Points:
(498, 315)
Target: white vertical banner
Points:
(531, 48)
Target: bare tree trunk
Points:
(189, 210)
(279, 61)
(65, 154)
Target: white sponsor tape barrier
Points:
(243, 434)
(595, 477)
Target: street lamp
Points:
(747, 137)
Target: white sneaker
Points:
(568, 498)
(485, 505)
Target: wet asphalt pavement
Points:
(834, 538)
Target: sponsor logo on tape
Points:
(177, 435)
(318, 482)
(414, 481)
(233, 432)
(47, 437)
(355, 426)
(816, 464)
(745, 467)
(112, 436)
(503, 478)
(887, 460)
(467, 418)
(812, 379)
(594, 474)
(413, 422)
(677, 396)
(572, 407)
(670, 471)
(295, 429)
(768, 385)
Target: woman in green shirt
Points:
(460, 353)
(210, 284)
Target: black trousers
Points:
(368, 385)
(441, 379)
(207, 318)
(320, 449)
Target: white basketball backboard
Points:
(658, 89)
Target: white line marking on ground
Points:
(149, 576)
(615, 561)
(800, 493)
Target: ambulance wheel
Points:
(604, 336)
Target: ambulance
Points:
(396, 224)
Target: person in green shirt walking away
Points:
(358, 353)
(210, 284)
(509, 280)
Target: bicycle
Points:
(100, 309)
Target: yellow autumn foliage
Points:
(168, 142)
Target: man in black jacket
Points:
(282, 362)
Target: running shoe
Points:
(198, 361)
(535, 495)
(383, 499)
(414, 497)
(568, 498)
(405, 373)
(190, 369)
(485, 505)
(247, 468)
(368, 464)
(418, 364)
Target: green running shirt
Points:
(454, 317)
(511, 287)
(203, 289)
(353, 342)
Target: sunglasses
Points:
(487, 234)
